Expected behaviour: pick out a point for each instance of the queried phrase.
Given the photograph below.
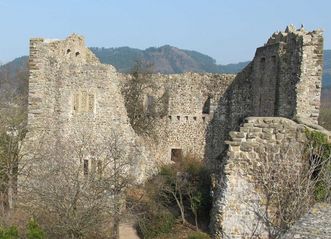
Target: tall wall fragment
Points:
(71, 94)
(284, 79)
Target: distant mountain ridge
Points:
(14, 76)
(166, 59)
(327, 69)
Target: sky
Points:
(227, 30)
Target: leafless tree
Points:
(12, 132)
(186, 183)
(286, 182)
(76, 187)
(173, 188)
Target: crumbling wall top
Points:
(70, 50)
(282, 36)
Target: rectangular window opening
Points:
(273, 59)
(83, 102)
(206, 106)
(149, 104)
(85, 167)
(99, 167)
(176, 155)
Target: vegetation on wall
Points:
(144, 106)
(320, 151)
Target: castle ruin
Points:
(223, 119)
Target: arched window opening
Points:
(206, 106)
(86, 167)
(262, 63)
(149, 102)
(273, 59)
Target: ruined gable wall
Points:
(233, 106)
(72, 95)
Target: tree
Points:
(198, 188)
(286, 183)
(173, 188)
(145, 101)
(12, 132)
(187, 183)
(13, 117)
(76, 188)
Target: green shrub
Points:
(323, 188)
(8, 233)
(319, 145)
(34, 230)
(319, 142)
(156, 223)
(198, 235)
(321, 191)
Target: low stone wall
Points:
(237, 197)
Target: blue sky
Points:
(226, 30)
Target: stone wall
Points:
(71, 94)
(283, 79)
(315, 224)
(298, 60)
(184, 126)
(237, 199)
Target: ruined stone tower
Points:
(71, 93)
(286, 75)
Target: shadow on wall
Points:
(233, 107)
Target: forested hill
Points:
(166, 59)
(327, 69)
